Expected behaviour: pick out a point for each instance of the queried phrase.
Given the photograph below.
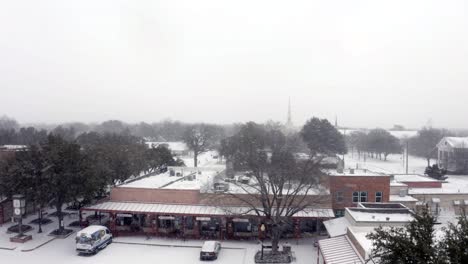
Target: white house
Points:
(453, 154)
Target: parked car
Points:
(92, 239)
(210, 250)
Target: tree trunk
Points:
(195, 159)
(60, 217)
(40, 220)
(275, 238)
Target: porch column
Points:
(297, 228)
(112, 219)
(229, 228)
(196, 229)
(156, 225)
(183, 226)
(80, 218)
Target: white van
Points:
(93, 238)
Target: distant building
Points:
(453, 154)
(176, 148)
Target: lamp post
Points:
(262, 228)
(19, 204)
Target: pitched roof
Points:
(455, 142)
(339, 250)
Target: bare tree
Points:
(199, 138)
(277, 186)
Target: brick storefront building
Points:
(182, 206)
(356, 186)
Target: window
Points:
(378, 197)
(339, 197)
(359, 197)
(363, 197)
(340, 213)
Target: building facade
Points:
(357, 186)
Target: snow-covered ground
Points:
(204, 160)
(394, 164)
(159, 250)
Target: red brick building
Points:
(355, 186)
(182, 206)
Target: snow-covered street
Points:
(133, 250)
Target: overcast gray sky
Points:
(371, 63)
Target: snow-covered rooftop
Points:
(337, 227)
(406, 198)
(413, 178)
(453, 185)
(455, 142)
(387, 216)
(397, 184)
(355, 172)
(207, 210)
(189, 179)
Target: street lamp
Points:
(262, 228)
(19, 205)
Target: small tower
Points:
(289, 123)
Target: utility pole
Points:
(407, 145)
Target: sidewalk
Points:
(38, 240)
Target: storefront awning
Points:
(204, 210)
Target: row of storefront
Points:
(197, 221)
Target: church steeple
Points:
(289, 123)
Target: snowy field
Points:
(394, 164)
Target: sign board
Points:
(240, 220)
(124, 215)
(166, 217)
(203, 218)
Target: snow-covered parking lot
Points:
(135, 250)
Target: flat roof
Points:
(454, 184)
(380, 215)
(356, 172)
(200, 177)
(406, 198)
